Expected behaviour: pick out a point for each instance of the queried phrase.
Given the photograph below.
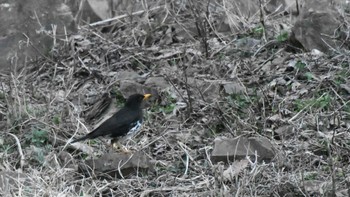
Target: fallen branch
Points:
(123, 16)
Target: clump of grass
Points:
(258, 31)
(322, 102)
(167, 108)
(38, 137)
(282, 37)
(119, 99)
(56, 120)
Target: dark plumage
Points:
(124, 122)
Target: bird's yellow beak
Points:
(146, 96)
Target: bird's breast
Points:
(134, 128)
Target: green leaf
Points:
(309, 76)
(300, 65)
(56, 120)
(39, 137)
(168, 108)
(258, 30)
(282, 37)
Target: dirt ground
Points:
(208, 83)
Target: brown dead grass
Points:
(54, 93)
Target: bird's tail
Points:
(79, 139)
(88, 136)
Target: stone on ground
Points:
(317, 25)
(228, 150)
(116, 165)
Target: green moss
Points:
(56, 120)
(310, 176)
(322, 102)
(300, 65)
(282, 37)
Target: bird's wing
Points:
(118, 123)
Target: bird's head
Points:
(135, 100)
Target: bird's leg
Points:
(128, 139)
(127, 142)
(117, 146)
(124, 149)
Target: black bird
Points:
(126, 122)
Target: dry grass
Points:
(45, 104)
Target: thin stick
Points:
(302, 110)
(19, 150)
(187, 157)
(123, 16)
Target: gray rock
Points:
(21, 18)
(243, 8)
(276, 6)
(316, 26)
(157, 82)
(66, 160)
(209, 90)
(128, 88)
(116, 165)
(106, 9)
(101, 8)
(234, 88)
(228, 150)
(285, 132)
(126, 75)
(247, 44)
